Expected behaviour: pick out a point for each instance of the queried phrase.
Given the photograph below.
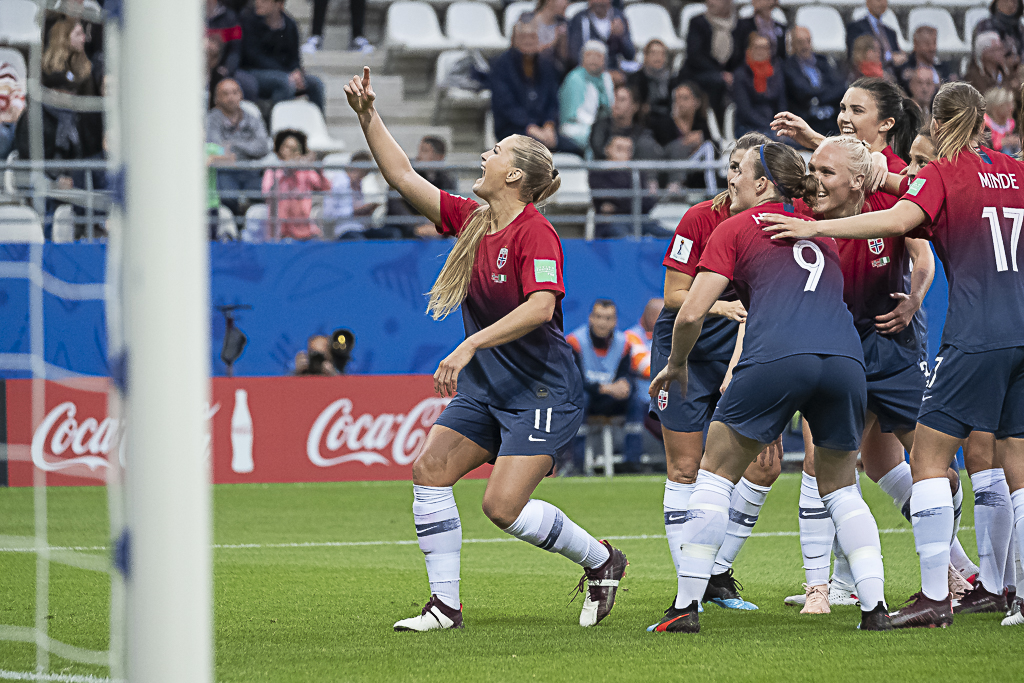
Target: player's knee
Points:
(682, 472)
(427, 472)
(501, 512)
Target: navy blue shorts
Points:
(536, 431)
(690, 413)
(830, 391)
(983, 391)
(896, 375)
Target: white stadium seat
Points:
(890, 20)
(18, 25)
(307, 117)
(20, 224)
(256, 224)
(972, 18)
(949, 42)
(472, 25)
(63, 229)
(513, 12)
(573, 9)
(828, 33)
(412, 28)
(648, 21)
(575, 188)
(457, 96)
(687, 14)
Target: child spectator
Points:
(289, 210)
(620, 149)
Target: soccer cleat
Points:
(602, 583)
(816, 600)
(920, 611)
(958, 585)
(435, 615)
(679, 620)
(1015, 617)
(841, 594)
(723, 590)
(877, 619)
(977, 600)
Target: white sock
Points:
(1010, 570)
(898, 482)
(677, 499)
(703, 532)
(841, 572)
(439, 533)
(931, 510)
(958, 508)
(744, 508)
(1017, 500)
(993, 519)
(858, 535)
(816, 532)
(545, 526)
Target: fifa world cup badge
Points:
(662, 399)
(502, 257)
(876, 246)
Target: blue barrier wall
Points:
(374, 288)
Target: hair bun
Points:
(554, 173)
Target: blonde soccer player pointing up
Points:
(519, 394)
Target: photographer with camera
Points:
(324, 355)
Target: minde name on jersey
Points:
(998, 181)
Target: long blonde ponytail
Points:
(540, 181)
(959, 109)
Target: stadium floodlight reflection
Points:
(165, 290)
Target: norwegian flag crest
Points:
(876, 246)
(502, 257)
(662, 399)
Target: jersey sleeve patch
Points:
(545, 270)
(915, 186)
(681, 249)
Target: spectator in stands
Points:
(758, 89)
(999, 121)
(12, 104)
(65, 64)
(1005, 19)
(223, 22)
(988, 68)
(620, 208)
(623, 120)
(686, 133)
(764, 23)
(814, 88)
(524, 92)
(871, 25)
(922, 88)
(357, 21)
(653, 84)
(710, 58)
(244, 138)
(552, 30)
(926, 40)
(316, 359)
(350, 204)
(866, 60)
(639, 337)
(603, 356)
(270, 52)
(608, 24)
(585, 92)
(431, 149)
(284, 188)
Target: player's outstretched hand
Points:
(359, 92)
(787, 227)
(664, 380)
(446, 379)
(898, 318)
(772, 451)
(792, 126)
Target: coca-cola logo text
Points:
(366, 437)
(89, 440)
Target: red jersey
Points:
(975, 209)
(537, 369)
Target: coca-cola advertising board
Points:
(263, 429)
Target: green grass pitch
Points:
(324, 613)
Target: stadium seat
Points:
(747, 11)
(513, 12)
(20, 224)
(687, 14)
(972, 18)
(307, 117)
(63, 230)
(18, 25)
(949, 42)
(13, 57)
(890, 20)
(648, 21)
(575, 188)
(668, 214)
(412, 28)
(227, 229)
(457, 96)
(573, 9)
(472, 25)
(255, 224)
(729, 124)
(828, 33)
(251, 108)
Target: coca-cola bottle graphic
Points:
(241, 434)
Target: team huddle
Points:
(796, 290)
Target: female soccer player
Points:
(684, 419)
(800, 352)
(519, 392)
(968, 202)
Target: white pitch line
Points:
(357, 544)
(58, 678)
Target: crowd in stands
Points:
(578, 85)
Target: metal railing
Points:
(576, 205)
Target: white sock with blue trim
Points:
(675, 502)
(817, 532)
(439, 533)
(545, 526)
(931, 512)
(1017, 500)
(993, 522)
(857, 533)
(702, 533)
(744, 509)
(842, 574)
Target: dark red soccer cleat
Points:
(978, 600)
(920, 611)
(602, 583)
